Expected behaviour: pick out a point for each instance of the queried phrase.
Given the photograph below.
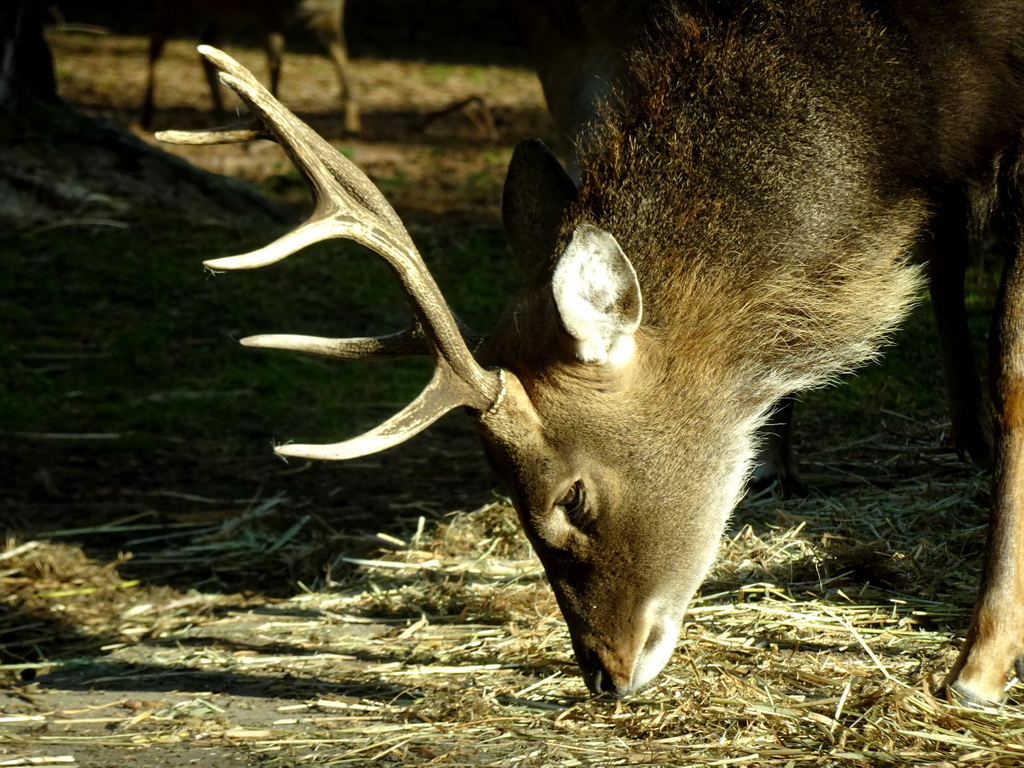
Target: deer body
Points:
(749, 180)
(271, 18)
(766, 170)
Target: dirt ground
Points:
(210, 606)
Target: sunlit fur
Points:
(747, 188)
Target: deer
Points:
(271, 18)
(736, 224)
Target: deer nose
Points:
(599, 681)
(620, 669)
(606, 675)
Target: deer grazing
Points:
(749, 179)
(271, 18)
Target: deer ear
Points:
(598, 297)
(536, 195)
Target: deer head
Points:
(622, 425)
(623, 478)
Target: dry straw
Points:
(818, 640)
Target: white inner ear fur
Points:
(598, 297)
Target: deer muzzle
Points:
(628, 661)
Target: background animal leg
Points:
(946, 248)
(774, 463)
(212, 36)
(157, 40)
(330, 28)
(274, 45)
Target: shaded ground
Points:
(172, 594)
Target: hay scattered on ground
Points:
(818, 640)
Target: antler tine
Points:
(438, 398)
(335, 182)
(348, 205)
(408, 343)
(411, 342)
(226, 134)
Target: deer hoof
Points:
(973, 440)
(787, 485)
(973, 696)
(961, 695)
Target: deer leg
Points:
(995, 638)
(330, 28)
(946, 249)
(157, 41)
(274, 45)
(348, 100)
(774, 463)
(211, 36)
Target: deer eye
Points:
(574, 502)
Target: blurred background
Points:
(126, 405)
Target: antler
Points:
(348, 205)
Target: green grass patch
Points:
(124, 331)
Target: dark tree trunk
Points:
(26, 66)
